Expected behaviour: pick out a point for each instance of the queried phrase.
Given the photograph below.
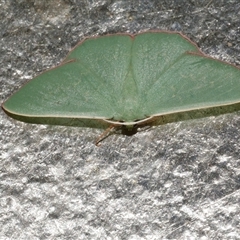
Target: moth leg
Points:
(104, 135)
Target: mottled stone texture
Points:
(180, 180)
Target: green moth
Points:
(126, 80)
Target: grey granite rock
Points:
(179, 180)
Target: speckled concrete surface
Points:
(180, 180)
